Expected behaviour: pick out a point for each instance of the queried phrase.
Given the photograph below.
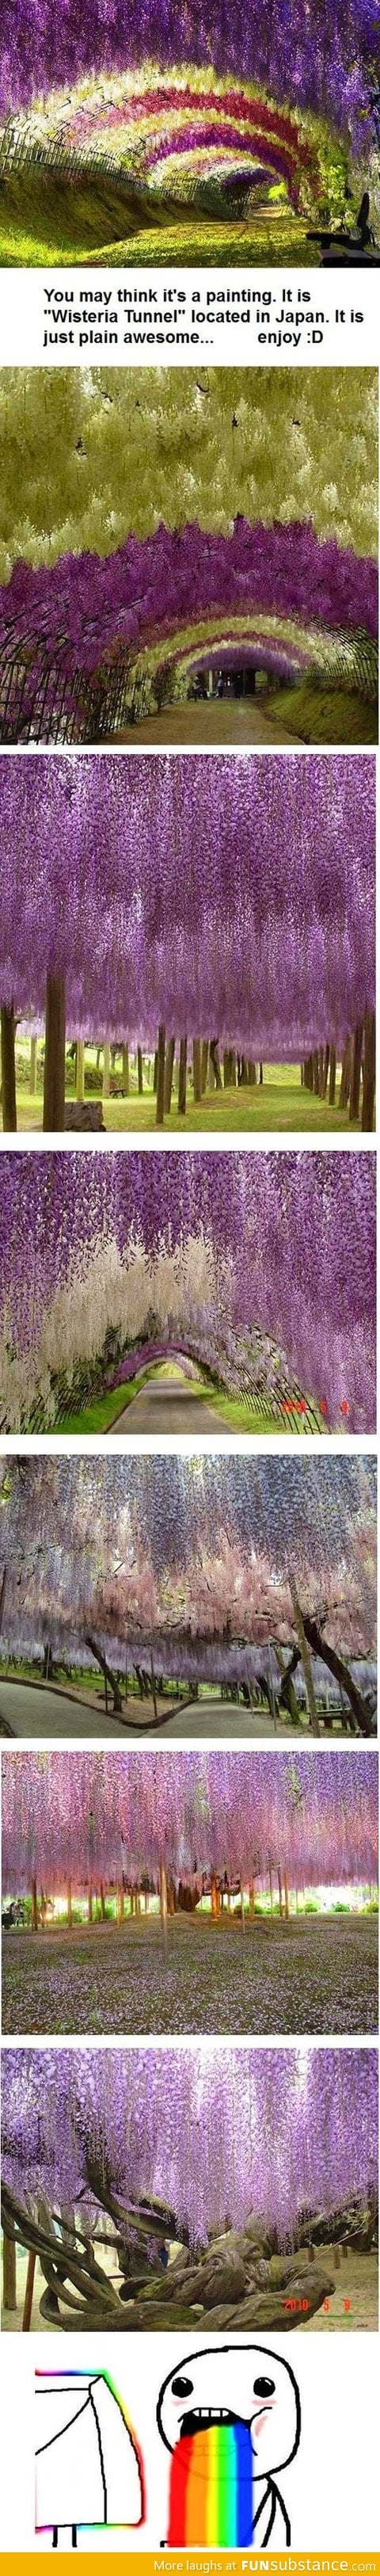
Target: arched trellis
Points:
(71, 633)
(270, 1256)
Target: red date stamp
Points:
(297, 1404)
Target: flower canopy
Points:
(215, 1248)
(231, 896)
(211, 2130)
(187, 1556)
(92, 1817)
(187, 107)
(155, 520)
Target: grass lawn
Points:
(47, 221)
(280, 1102)
(328, 715)
(311, 1974)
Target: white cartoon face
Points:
(240, 2383)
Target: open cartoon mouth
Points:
(198, 2416)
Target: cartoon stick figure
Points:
(231, 2418)
(88, 2463)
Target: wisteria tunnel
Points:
(159, 1593)
(163, 136)
(173, 552)
(176, 933)
(256, 2170)
(261, 1267)
(190, 1891)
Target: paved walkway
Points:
(31, 1712)
(167, 1405)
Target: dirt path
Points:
(213, 720)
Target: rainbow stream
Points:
(211, 2487)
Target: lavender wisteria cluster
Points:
(327, 66)
(211, 2130)
(81, 1820)
(77, 637)
(194, 1562)
(231, 896)
(119, 1246)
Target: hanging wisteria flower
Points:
(285, 1242)
(235, 896)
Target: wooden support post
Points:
(106, 1069)
(140, 1085)
(368, 1108)
(214, 1897)
(286, 1896)
(55, 1055)
(204, 1064)
(270, 1887)
(90, 1908)
(29, 2287)
(182, 1078)
(154, 1692)
(8, 1072)
(69, 1906)
(33, 1066)
(356, 1072)
(279, 1891)
(197, 1069)
(251, 1897)
(332, 1077)
(160, 1076)
(34, 1906)
(9, 2273)
(169, 1068)
(125, 1071)
(102, 1902)
(79, 1073)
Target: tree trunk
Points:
(336, 1665)
(325, 1075)
(2, 1595)
(69, 1906)
(286, 1896)
(356, 1071)
(33, 1065)
(252, 1897)
(163, 1904)
(8, 1072)
(55, 1054)
(154, 1692)
(308, 1072)
(109, 1676)
(316, 1074)
(332, 1080)
(29, 2287)
(169, 1067)
(34, 1906)
(252, 1075)
(102, 1902)
(368, 1108)
(90, 1902)
(279, 1892)
(139, 1072)
(182, 1075)
(125, 1071)
(204, 1064)
(345, 1077)
(160, 1076)
(9, 2273)
(197, 1069)
(215, 1061)
(79, 1082)
(106, 1069)
(305, 1659)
